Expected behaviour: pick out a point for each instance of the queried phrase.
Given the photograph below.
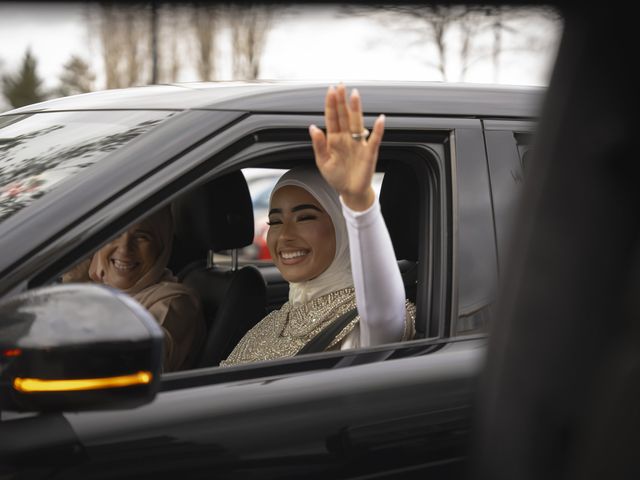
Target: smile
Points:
(291, 258)
(289, 255)
(123, 266)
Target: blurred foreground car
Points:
(559, 394)
(82, 400)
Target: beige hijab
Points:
(176, 308)
(161, 225)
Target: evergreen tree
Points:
(25, 86)
(76, 78)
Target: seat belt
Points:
(324, 338)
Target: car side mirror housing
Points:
(77, 347)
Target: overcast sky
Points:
(306, 43)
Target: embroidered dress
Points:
(284, 332)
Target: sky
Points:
(312, 43)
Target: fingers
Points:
(319, 144)
(331, 111)
(376, 135)
(356, 124)
(343, 111)
(339, 116)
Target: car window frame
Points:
(234, 147)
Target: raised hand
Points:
(345, 162)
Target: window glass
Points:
(38, 151)
(260, 182)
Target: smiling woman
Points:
(136, 263)
(329, 241)
(137, 258)
(301, 237)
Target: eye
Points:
(305, 217)
(274, 222)
(142, 237)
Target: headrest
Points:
(400, 204)
(216, 216)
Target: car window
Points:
(413, 188)
(260, 182)
(39, 150)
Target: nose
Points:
(287, 230)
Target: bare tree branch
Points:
(205, 21)
(479, 31)
(250, 24)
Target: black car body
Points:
(456, 155)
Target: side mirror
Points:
(77, 347)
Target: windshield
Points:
(37, 151)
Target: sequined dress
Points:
(282, 333)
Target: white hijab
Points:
(338, 275)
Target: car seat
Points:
(215, 217)
(400, 206)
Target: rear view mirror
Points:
(77, 347)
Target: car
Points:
(76, 171)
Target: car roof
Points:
(405, 98)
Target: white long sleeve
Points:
(380, 294)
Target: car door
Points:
(508, 143)
(391, 410)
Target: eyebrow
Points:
(147, 231)
(297, 208)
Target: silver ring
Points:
(360, 136)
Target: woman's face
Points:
(131, 255)
(301, 237)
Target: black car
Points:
(76, 171)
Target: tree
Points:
(25, 86)
(204, 21)
(434, 25)
(173, 22)
(462, 35)
(76, 78)
(124, 36)
(154, 42)
(250, 24)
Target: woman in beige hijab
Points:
(136, 263)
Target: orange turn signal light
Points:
(38, 385)
(12, 352)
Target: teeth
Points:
(290, 255)
(124, 266)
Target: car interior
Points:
(214, 221)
